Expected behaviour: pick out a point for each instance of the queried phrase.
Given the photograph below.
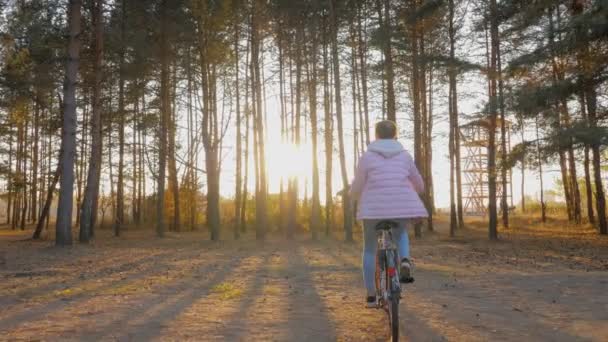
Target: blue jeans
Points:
(370, 243)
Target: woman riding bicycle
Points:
(386, 186)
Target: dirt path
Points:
(526, 288)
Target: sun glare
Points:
(287, 160)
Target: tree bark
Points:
(63, 234)
(120, 199)
(523, 169)
(543, 213)
(600, 200)
(328, 126)
(452, 103)
(44, 214)
(261, 195)
(176, 225)
(346, 199)
(35, 160)
(389, 75)
(164, 114)
(10, 179)
(492, 225)
(91, 193)
(363, 69)
(239, 152)
(415, 84)
(315, 219)
(503, 137)
(588, 186)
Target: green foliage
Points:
(579, 134)
(532, 99)
(424, 10)
(518, 154)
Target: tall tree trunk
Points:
(346, 201)
(210, 135)
(91, 193)
(493, 217)
(134, 176)
(191, 171)
(427, 126)
(363, 69)
(23, 207)
(176, 225)
(164, 114)
(50, 158)
(142, 200)
(63, 234)
(315, 219)
(452, 104)
(588, 186)
(455, 126)
(415, 83)
(385, 25)
(453, 214)
(543, 207)
(247, 112)
(523, 169)
(353, 83)
(10, 179)
(239, 152)
(503, 138)
(120, 197)
(566, 184)
(328, 126)
(35, 160)
(262, 194)
(282, 195)
(296, 135)
(80, 157)
(19, 180)
(576, 194)
(600, 199)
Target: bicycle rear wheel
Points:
(394, 293)
(393, 315)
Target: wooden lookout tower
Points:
(474, 145)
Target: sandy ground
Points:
(533, 285)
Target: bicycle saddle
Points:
(386, 225)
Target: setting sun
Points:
(286, 160)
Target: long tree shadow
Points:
(153, 314)
(309, 319)
(237, 326)
(281, 304)
(133, 263)
(154, 270)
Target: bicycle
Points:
(388, 286)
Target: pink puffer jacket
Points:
(387, 183)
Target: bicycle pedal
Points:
(407, 280)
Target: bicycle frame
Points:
(388, 287)
(387, 265)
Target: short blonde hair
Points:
(386, 129)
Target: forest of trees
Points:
(142, 109)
